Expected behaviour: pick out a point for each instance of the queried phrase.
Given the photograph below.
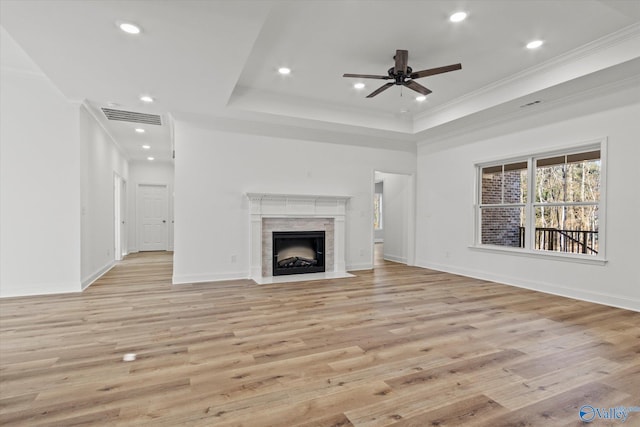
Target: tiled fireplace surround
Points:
(269, 225)
(290, 212)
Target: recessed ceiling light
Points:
(534, 44)
(420, 98)
(359, 85)
(284, 70)
(140, 130)
(146, 147)
(146, 98)
(458, 16)
(150, 158)
(129, 28)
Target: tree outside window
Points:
(377, 211)
(567, 196)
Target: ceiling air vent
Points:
(530, 104)
(132, 116)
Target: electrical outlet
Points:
(361, 252)
(234, 258)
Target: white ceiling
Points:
(215, 62)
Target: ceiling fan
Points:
(403, 75)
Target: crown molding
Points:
(610, 40)
(546, 107)
(89, 109)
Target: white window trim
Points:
(599, 259)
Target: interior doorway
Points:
(124, 232)
(393, 206)
(119, 215)
(153, 214)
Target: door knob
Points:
(164, 221)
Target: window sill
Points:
(556, 256)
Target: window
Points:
(543, 203)
(567, 200)
(377, 211)
(503, 201)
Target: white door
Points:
(154, 212)
(123, 214)
(117, 216)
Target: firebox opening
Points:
(298, 252)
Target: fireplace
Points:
(298, 252)
(271, 213)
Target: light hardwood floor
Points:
(395, 346)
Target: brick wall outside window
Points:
(501, 225)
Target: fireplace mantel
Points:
(297, 204)
(278, 196)
(303, 206)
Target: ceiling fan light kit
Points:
(403, 75)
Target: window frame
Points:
(531, 204)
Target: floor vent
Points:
(132, 116)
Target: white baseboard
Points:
(212, 277)
(589, 296)
(33, 289)
(56, 288)
(356, 267)
(395, 258)
(97, 274)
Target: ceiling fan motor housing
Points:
(400, 76)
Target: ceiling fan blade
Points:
(417, 87)
(380, 89)
(401, 57)
(367, 76)
(433, 71)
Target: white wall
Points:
(147, 173)
(39, 184)
(395, 206)
(214, 170)
(100, 159)
(446, 193)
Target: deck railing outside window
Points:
(571, 241)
